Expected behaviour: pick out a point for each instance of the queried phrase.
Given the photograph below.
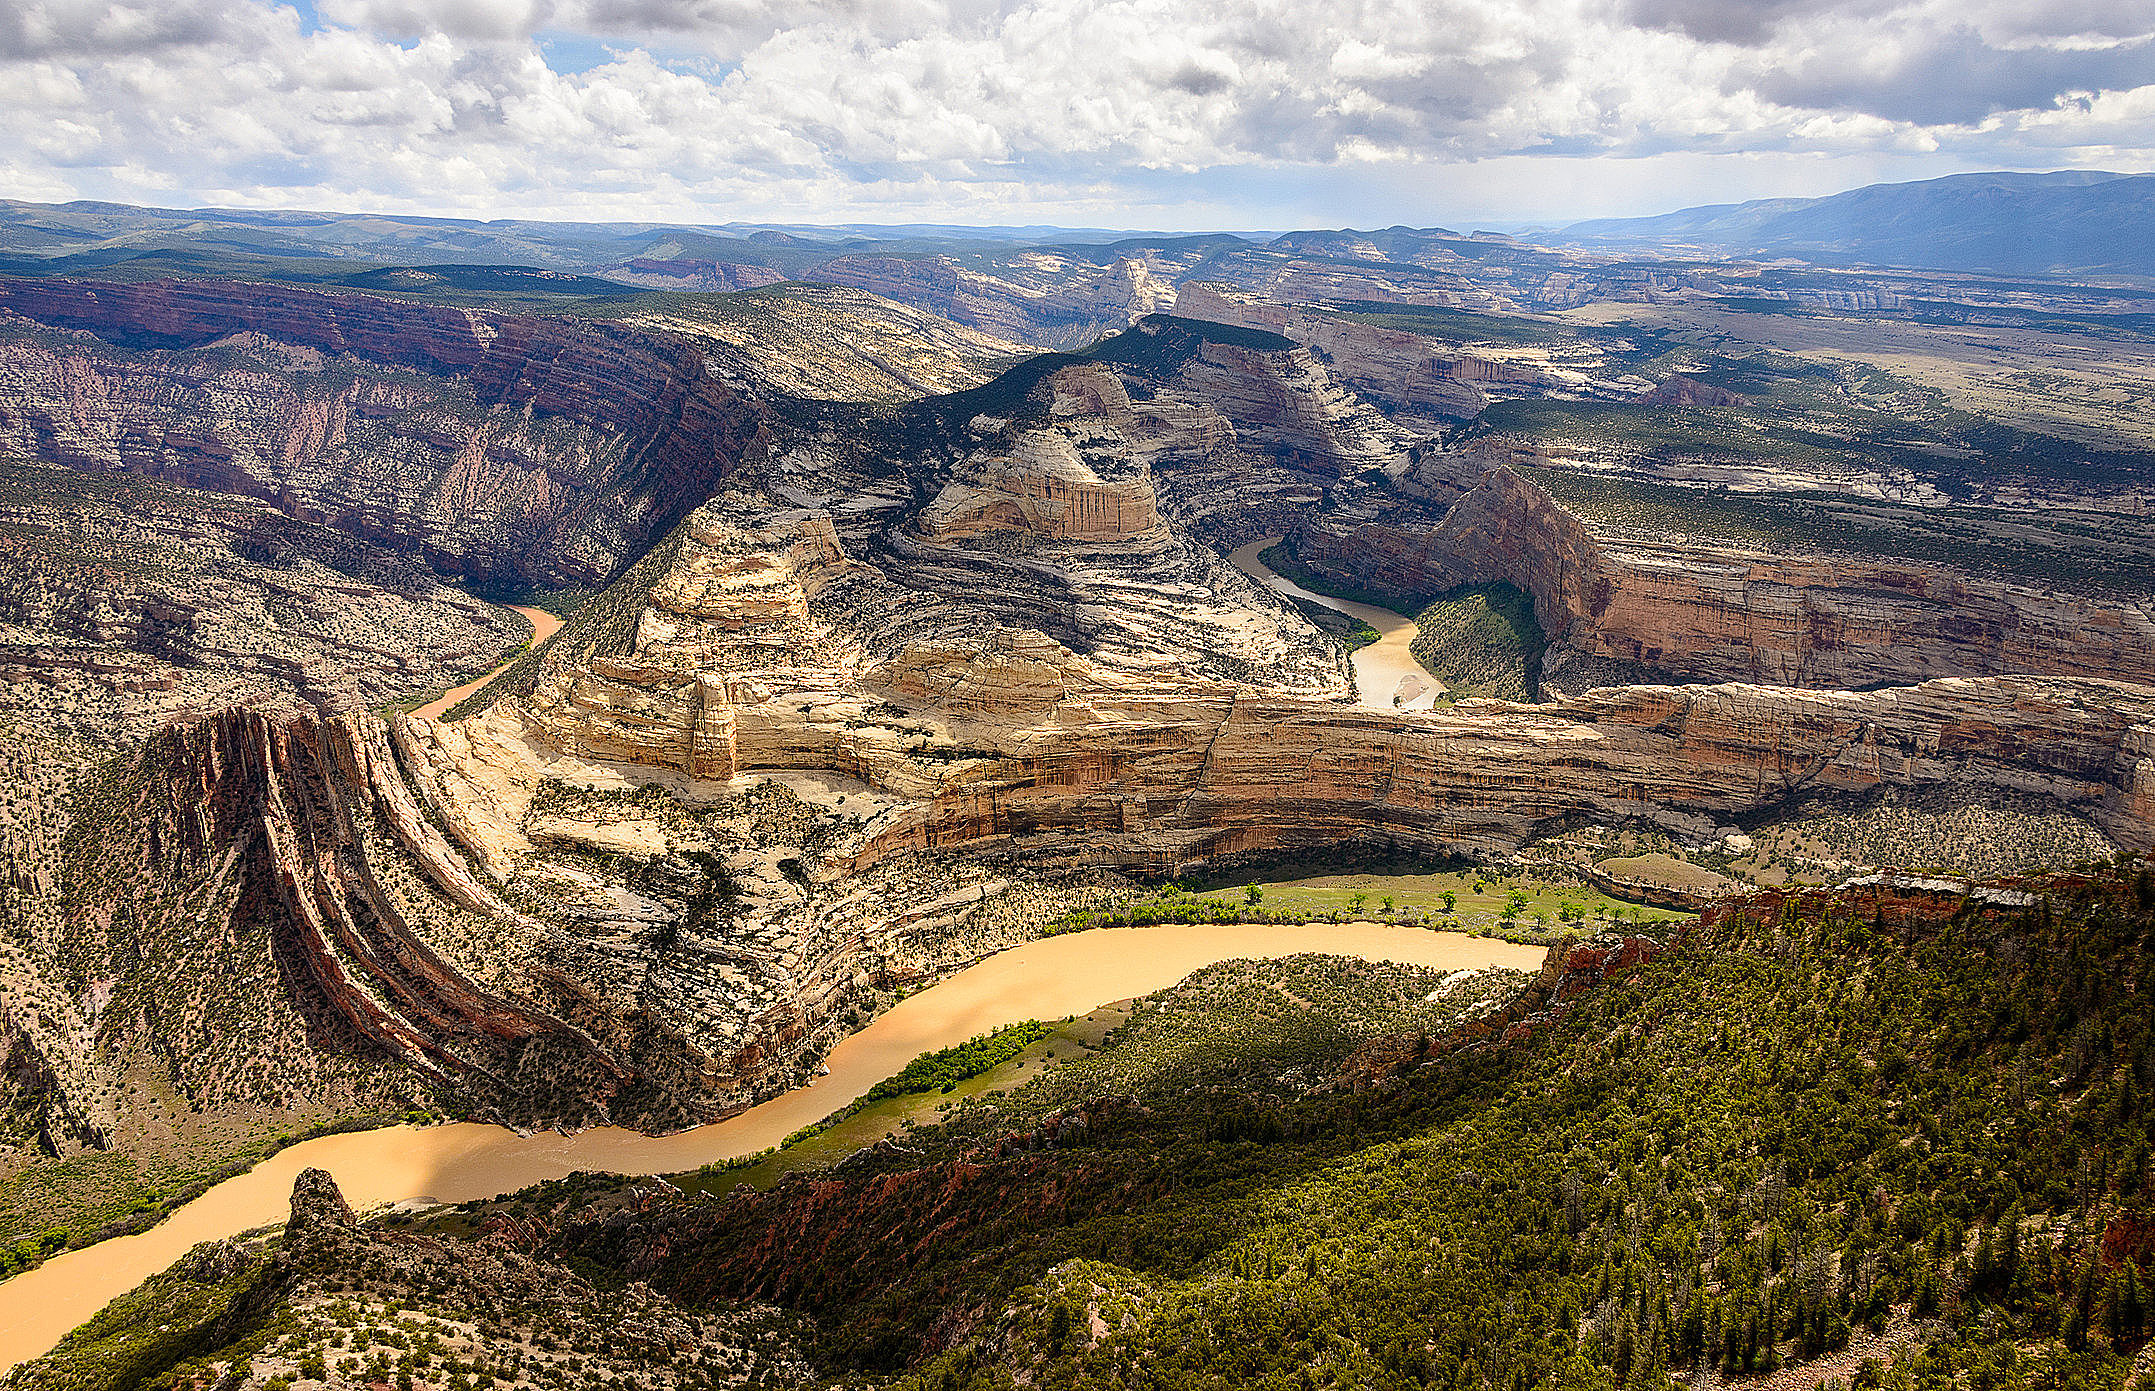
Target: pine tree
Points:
(2082, 1317)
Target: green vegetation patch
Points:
(1483, 642)
(1475, 900)
(942, 1070)
(1351, 633)
(1453, 325)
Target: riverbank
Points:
(543, 626)
(1054, 978)
(1387, 675)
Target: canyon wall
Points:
(1069, 764)
(1404, 371)
(532, 449)
(649, 899)
(1045, 298)
(1717, 613)
(126, 602)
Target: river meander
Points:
(1386, 674)
(1053, 978)
(543, 626)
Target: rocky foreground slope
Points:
(1798, 1137)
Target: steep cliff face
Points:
(1049, 487)
(1287, 407)
(900, 691)
(1712, 613)
(1058, 502)
(371, 915)
(1009, 734)
(1095, 771)
(496, 445)
(655, 888)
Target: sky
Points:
(1160, 114)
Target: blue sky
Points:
(1150, 113)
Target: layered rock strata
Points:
(125, 603)
(1404, 371)
(549, 450)
(1716, 613)
(903, 691)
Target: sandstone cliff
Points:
(1705, 612)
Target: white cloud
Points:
(1163, 110)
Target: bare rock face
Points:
(1705, 612)
(317, 1205)
(1288, 407)
(1082, 479)
(550, 449)
(1053, 486)
(1400, 370)
(656, 939)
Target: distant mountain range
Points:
(2015, 224)
(97, 235)
(2073, 224)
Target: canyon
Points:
(859, 681)
(1705, 612)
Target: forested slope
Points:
(1896, 1135)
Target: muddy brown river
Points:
(543, 626)
(1054, 978)
(1386, 674)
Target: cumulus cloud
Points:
(1952, 78)
(823, 108)
(91, 29)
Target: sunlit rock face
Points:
(1715, 612)
(867, 691)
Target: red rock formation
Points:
(1720, 613)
